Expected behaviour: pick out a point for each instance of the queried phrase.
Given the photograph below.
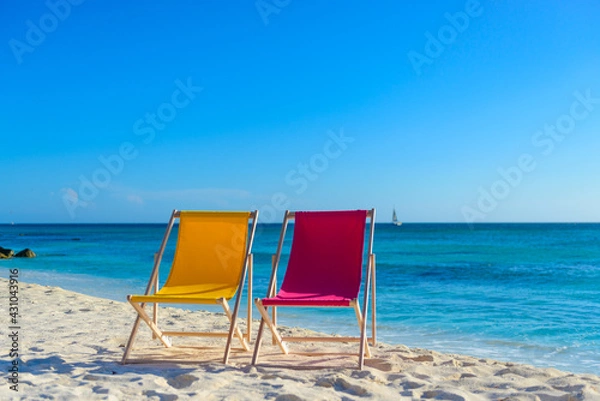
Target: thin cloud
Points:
(216, 196)
(199, 194)
(135, 199)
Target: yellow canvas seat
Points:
(212, 260)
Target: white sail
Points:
(395, 219)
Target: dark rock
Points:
(25, 253)
(6, 253)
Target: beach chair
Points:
(325, 269)
(211, 262)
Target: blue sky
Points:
(451, 111)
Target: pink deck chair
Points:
(324, 270)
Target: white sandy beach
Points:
(71, 345)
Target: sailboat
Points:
(395, 219)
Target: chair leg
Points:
(261, 327)
(131, 340)
(364, 344)
(249, 318)
(142, 313)
(367, 350)
(238, 332)
(361, 356)
(373, 302)
(265, 315)
(154, 317)
(274, 320)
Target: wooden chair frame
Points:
(153, 287)
(369, 284)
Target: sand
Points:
(71, 345)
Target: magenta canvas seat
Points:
(325, 261)
(325, 269)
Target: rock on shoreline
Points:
(9, 253)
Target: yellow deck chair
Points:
(212, 260)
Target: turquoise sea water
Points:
(526, 293)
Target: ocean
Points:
(527, 293)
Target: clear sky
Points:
(451, 111)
